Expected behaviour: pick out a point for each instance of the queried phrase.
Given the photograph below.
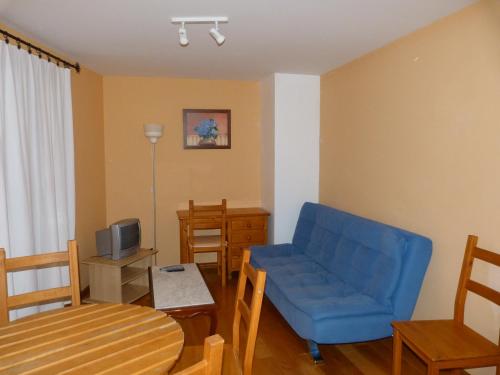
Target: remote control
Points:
(175, 268)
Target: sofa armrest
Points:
(412, 275)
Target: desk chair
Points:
(207, 218)
(211, 364)
(450, 344)
(42, 296)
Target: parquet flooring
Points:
(279, 350)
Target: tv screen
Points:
(130, 236)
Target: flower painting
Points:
(207, 128)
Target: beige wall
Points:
(202, 175)
(410, 135)
(88, 124)
(88, 131)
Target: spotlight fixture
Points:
(214, 31)
(183, 39)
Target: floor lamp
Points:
(153, 132)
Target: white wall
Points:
(267, 149)
(290, 131)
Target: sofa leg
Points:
(314, 351)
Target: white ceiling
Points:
(135, 37)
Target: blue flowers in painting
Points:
(207, 129)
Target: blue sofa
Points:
(344, 278)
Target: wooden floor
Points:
(280, 351)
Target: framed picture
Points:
(207, 128)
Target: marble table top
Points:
(180, 289)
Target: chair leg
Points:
(397, 347)
(219, 264)
(224, 268)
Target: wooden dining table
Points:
(91, 339)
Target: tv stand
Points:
(120, 281)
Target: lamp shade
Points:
(153, 132)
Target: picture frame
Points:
(207, 128)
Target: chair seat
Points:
(455, 342)
(207, 241)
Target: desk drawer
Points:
(250, 236)
(248, 223)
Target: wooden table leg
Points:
(213, 321)
(192, 311)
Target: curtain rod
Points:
(40, 51)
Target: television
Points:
(120, 240)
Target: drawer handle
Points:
(249, 225)
(249, 237)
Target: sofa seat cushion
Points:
(321, 302)
(314, 301)
(319, 294)
(314, 290)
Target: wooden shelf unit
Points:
(120, 281)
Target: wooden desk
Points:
(91, 339)
(245, 227)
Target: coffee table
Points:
(183, 294)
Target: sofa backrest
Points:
(379, 260)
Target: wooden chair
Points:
(201, 219)
(42, 296)
(450, 344)
(211, 364)
(250, 315)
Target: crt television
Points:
(120, 240)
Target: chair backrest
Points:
(207, 217)
(211, 364)
(465, 284)
(69, 257)
(250, 315)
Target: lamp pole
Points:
(153, 145)
(153, 132)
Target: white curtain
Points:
(37, 188)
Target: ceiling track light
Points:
(214, 31)
(183, 39)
